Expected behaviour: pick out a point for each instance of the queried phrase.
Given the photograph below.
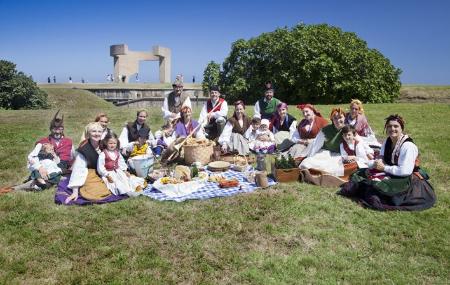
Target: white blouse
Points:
(406, 160)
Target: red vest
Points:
(347, 149)
(209, 105)
(63, 150)
(110, 164)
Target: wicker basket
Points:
(201, 153)
(286, 175)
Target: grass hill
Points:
(68, 98)
(288, 234)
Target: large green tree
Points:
(18, 91)
(309, 63)
(211, 76)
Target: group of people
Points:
(344, 153)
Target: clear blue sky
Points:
(72, 38)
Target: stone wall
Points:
(143, 97)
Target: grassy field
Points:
(289, 234)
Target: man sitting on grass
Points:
(63, 149)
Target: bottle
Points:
(194, 170)
(261, 161)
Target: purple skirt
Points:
(62, 192)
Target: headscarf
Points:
(309, 106)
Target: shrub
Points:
(309, 63)
(18, 91)
(211, 76)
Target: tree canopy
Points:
(18, 91)
(309, 63)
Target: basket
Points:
(231, 158)
(286, 175)
(201, 153)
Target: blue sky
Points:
(72, 38)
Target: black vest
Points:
(89, 152)
(389, 148)
(281, 126)
(133, 131)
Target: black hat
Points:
(214, 88)
(143, 133)
(268, 86)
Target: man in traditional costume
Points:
(176, 100)
(214, 114)
(266, 106)
(63, 148)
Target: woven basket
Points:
(286, 175)
(201, 153)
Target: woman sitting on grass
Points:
(232, 138)
(323, 166)
(84, 183)
(358, 120)
(103, 119)
(283, 127)
(183, 128)
(306, 131)
(396, 181)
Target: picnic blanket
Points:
(62, 192)
(208, 189)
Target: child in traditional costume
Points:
(163, 139)
(49, 161)
(250, 134)
(112, 168)
(264, 139)
(355, 154)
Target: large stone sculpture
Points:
(126, 62)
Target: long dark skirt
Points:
(418, 195)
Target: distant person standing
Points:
(82, 80)
(137, 77)
(54, 79)
(108, 77)
(70, 79)
(49, 80)
(193, 79)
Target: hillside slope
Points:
(68, 98)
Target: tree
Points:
(309, 63)
(18, 91)
(211, 76)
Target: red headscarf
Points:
(309, 106)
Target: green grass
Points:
(288, 234)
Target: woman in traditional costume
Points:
(130, 132)
(324, 165)
(358, 120)
(183, 128)
(282, 125)
(232, 138)
(396, 181)
(306, 131)
(103, 119)
(84, 180)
